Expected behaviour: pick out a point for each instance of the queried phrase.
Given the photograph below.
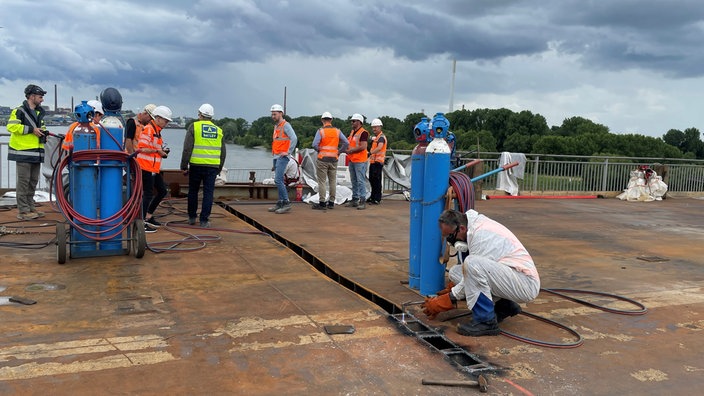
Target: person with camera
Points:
(151, 151)
(27, 137)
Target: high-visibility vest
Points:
(24, 145)
(150, 139)
(207, 143)
(329, 141)
(280, 141)
(360, 156)
(138, 127)
(378, 157)
(68, 139)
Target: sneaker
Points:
(153, 222)
(27, 216)
(319, 206)
(148, 228)
(38, 213)
(505, 308)
(205, 224)
(275, 207)
(361, 206)
(191, 221)
(478, 329)
(352, 204)
(285, 208)
(331, 205)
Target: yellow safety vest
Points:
(207, 143)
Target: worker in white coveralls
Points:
(495, 265)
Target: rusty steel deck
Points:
(246, 313)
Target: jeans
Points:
(27, 179)
(150, 181)
(279, 171)
(358, 175)
(198, 174)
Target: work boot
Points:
(505, 308)
(285, 208)
(361, 206)
(205, 224)
(318, 206)
(352, 204)
(478, 329)
(27, 216)
(276, 207)
(38, 213)
(191, 221)
(331, 205)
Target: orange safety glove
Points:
(447, 289)
(433, 306)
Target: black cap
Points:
(33, 90)
(111, 99)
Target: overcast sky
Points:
(635, 66)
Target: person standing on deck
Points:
(327, 143)
(357, 154)
(283, 143)
(377, 155)
(134, 126)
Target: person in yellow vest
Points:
(26, 147)
(134, 126)
(357, 154)
(150, 153)
(283, 143)
(328, 142)
(377, 155)
(202, 159)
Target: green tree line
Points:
(493, 130)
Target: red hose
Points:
(123, 218)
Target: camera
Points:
(42, 138)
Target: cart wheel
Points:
(139, 238)
(61, 243)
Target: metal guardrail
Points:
(543, 173)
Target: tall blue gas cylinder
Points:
(83, 179)
(111, 135)
(436, 182)
(422, 135)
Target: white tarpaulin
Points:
(645, 186)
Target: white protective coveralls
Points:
(495, 265)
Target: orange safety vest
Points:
(329, 141)
(67, 144)
(378, 157)
(138, 129)
(360, 156)
(150, 139)
(280, 141)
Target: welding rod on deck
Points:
(481, 383)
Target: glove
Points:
(461, 247)
(447, 289)
(433, 306)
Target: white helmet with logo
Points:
(358, 117)
(377, 122)
(326, 115)
(206, 110)
(163, 112)
(277, 107)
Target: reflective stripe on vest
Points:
(360, 156)
(378, 157)
(207, 142)
(280, 141)
(150, 162)
(329, 141)
(24, 145)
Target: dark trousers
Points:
(198, 174)
(375, 169)
(150, 181)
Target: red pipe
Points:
(543, 196)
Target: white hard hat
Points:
(96, 105)
(358, 117)
(277, 107)
(326, 115)
(163, 112)
(206, 110)
(149, 109)
(377, 122)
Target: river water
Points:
(239, 161)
